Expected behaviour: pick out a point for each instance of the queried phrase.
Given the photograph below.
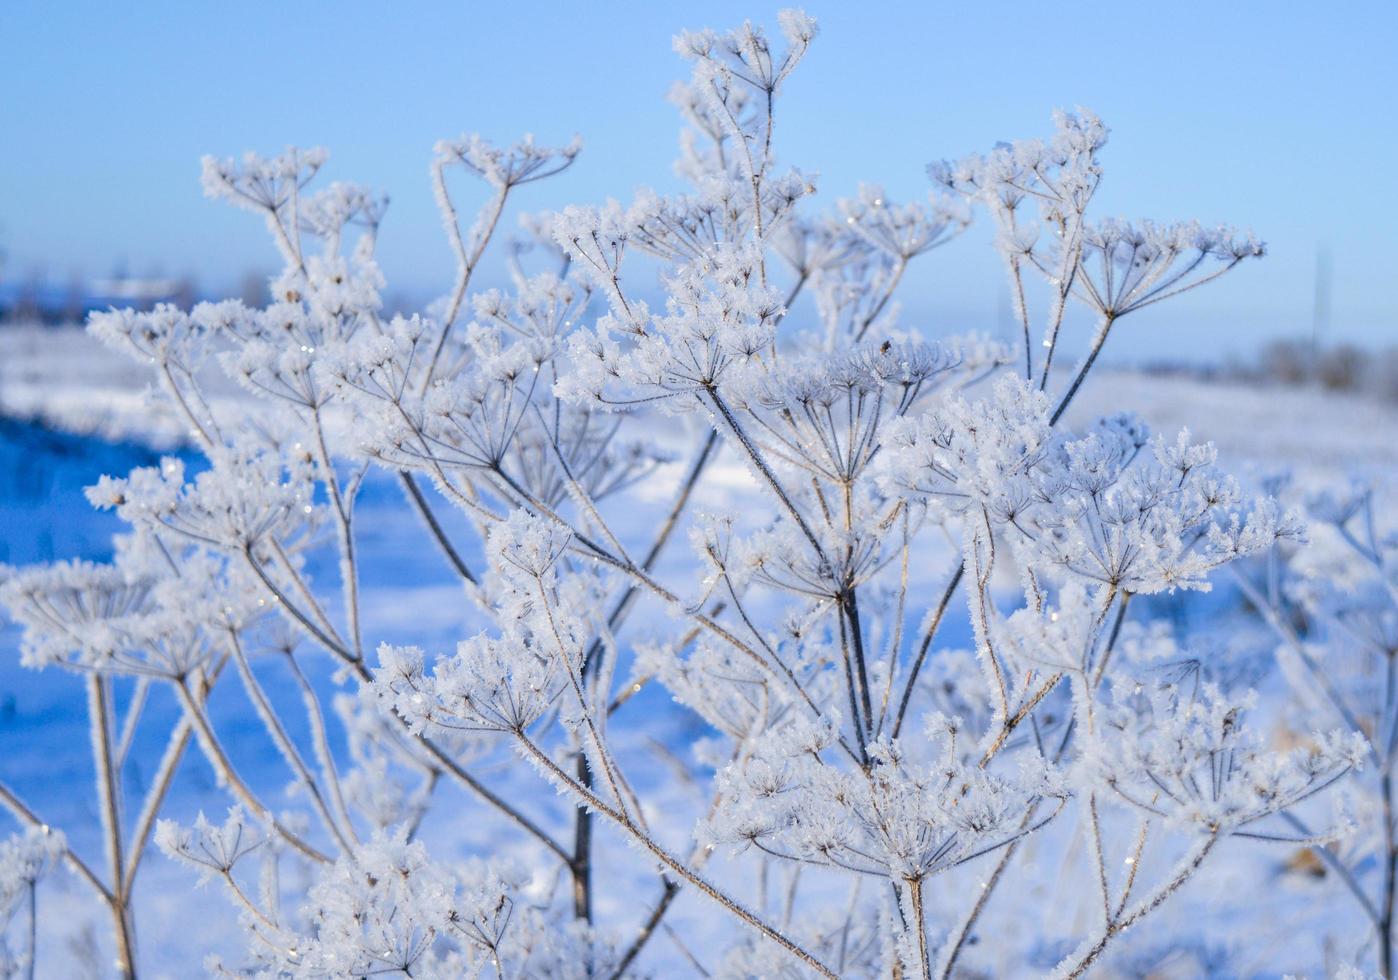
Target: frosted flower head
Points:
(506, 167)
(261, 183)
(109, 619)
(745, 52)
(527, 544)
(903, 231)
(826, 414)
(76, 610)
(1126, 267)
(1160, 749)
(327, 213)
(544, 307)
(381, 910)
(25, 857)
(249, 494)
(212, 849)
(165, 336)
(498, 684)
(899, 819)
(965, 453)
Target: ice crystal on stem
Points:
(912, 638)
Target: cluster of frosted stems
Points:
(852, 755)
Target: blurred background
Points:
(1273, 117)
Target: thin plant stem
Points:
(434, 527)
(646, 841)
(108, 790)
(223, 768)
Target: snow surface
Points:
(70, 411)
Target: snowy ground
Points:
(59, 375)
(87, 416)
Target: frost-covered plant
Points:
(851, 756)
(24, 858)
(1332, 610)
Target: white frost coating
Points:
(855, 791)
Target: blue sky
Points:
(1279, 117)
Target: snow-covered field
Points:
(72, 412)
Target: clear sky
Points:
(1281, 117)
